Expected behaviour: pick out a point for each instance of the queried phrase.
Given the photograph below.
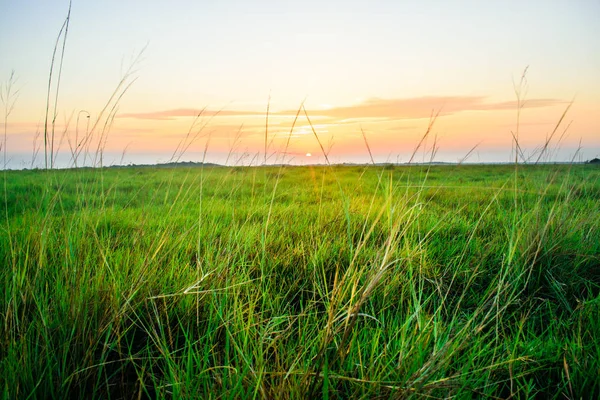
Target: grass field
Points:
(301, 282)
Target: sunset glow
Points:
(381, 71)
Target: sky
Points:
(365, 78)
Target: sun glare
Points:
(308, 155)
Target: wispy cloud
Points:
(375, 108)
(423, 107)
(187, 112)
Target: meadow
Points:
(466, 281)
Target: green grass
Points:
(301, 282)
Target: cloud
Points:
(187, 112)
(375, 108)
(424, 107)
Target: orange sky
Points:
(392, 127)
